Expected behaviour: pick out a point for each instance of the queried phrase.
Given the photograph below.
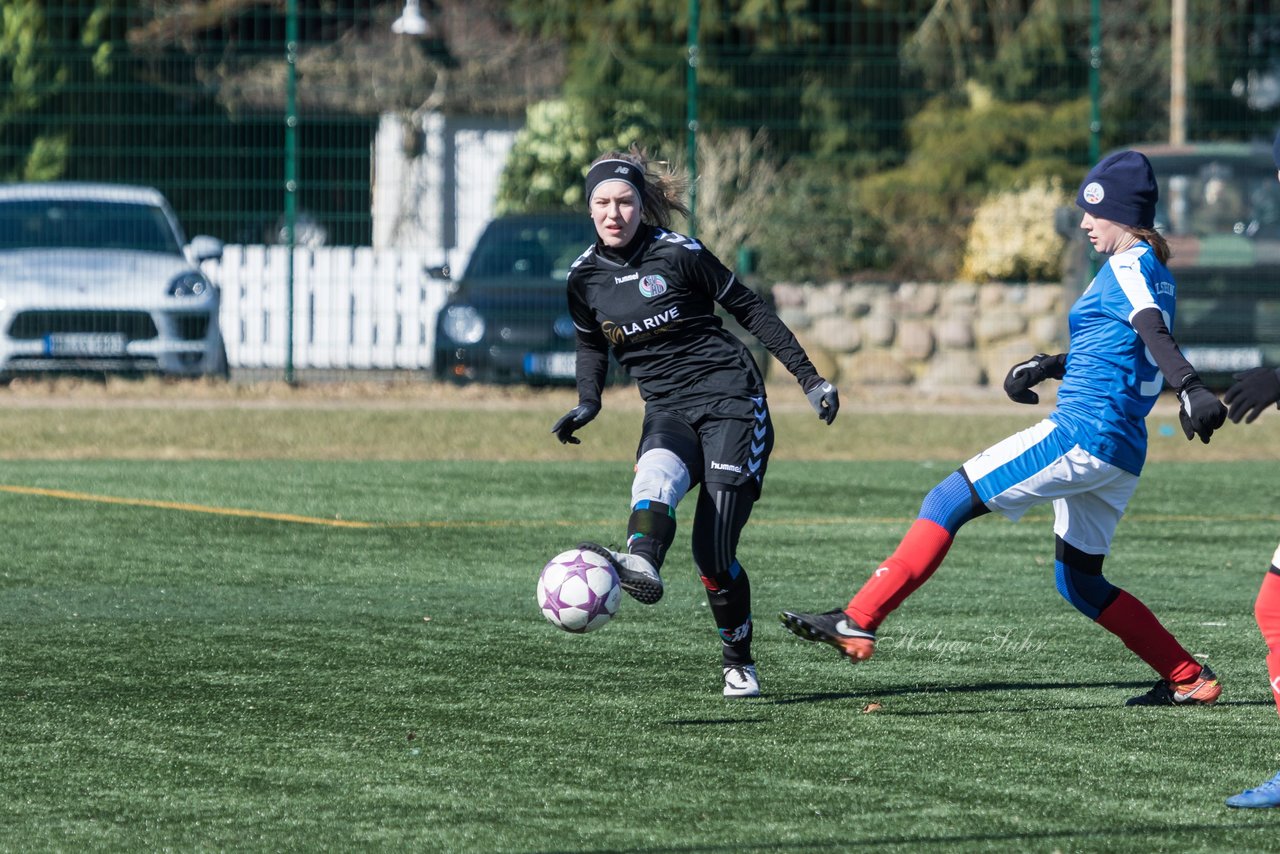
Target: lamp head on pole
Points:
(411, 22)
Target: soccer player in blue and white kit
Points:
(1085, 457)
(1254, 391)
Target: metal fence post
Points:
(1095, 80)
(290, 175)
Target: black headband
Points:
(615, 170)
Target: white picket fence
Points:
(353, 307)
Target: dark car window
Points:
(31, 224)
(1219, 207)
(538, 252)
(1218, 197)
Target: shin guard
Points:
(651, 530)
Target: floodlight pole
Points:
(1178, 74)
(290, 173)
(691, 116)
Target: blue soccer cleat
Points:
(1266, 795)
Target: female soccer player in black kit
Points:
(650, 294)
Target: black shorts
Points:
(727, 441)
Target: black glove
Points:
(1201, 411)
(1254, 391)
(823, 397)
(1037, 369)
(574, 419)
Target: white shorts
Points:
(1042, 464)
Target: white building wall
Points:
(436, 199)
(478, 150)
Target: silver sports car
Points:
(99, 278)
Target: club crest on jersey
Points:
(652, 286)
(1093, 193)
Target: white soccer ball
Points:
(578, 591)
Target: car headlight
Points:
(463, 324)
(192, 284)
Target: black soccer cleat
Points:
(636, 575)
(835, 628)
(1204, 690)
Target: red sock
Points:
(1266, 608)
(917, 556)
(1132, 622)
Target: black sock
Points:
(731, 608)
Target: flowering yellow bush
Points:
(1012, 237)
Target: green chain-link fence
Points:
(829, 140)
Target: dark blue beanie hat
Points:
(1121, 188)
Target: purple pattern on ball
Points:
(567, 597)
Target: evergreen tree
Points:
(798, 67)
(44, 60)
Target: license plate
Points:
(85, 344)
(1223, 359)
(557, 365)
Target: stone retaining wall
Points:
(933, 336)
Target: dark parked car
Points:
(1219, 210)
(506, 319)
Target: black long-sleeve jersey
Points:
(654, 304)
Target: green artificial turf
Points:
(179, 679)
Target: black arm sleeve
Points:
(759, 319)
(591, 365)
(1149, 324)
(592, 359)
